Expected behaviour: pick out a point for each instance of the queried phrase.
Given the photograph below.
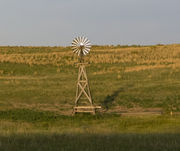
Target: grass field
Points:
(37, 91)
(26, 130)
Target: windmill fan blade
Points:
(75, 49)
(87, 42)
(74, 43)
(74, 46)
(87, 45)
(79, 52)
(75, 40)
(78, 38)
(86, 51)
(83, 39)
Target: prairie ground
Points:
(37, 91)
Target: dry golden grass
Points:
(154, 56)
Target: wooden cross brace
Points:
(82, 85)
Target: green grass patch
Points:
(91, 142)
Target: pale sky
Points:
(57, 22)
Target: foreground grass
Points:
(91, 142)
(26, 130)
(29, 121)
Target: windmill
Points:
(83, 101)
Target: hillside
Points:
(121, 78)
(37, 92)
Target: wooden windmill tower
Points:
(83, 101)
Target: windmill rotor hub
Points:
(81, 44)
